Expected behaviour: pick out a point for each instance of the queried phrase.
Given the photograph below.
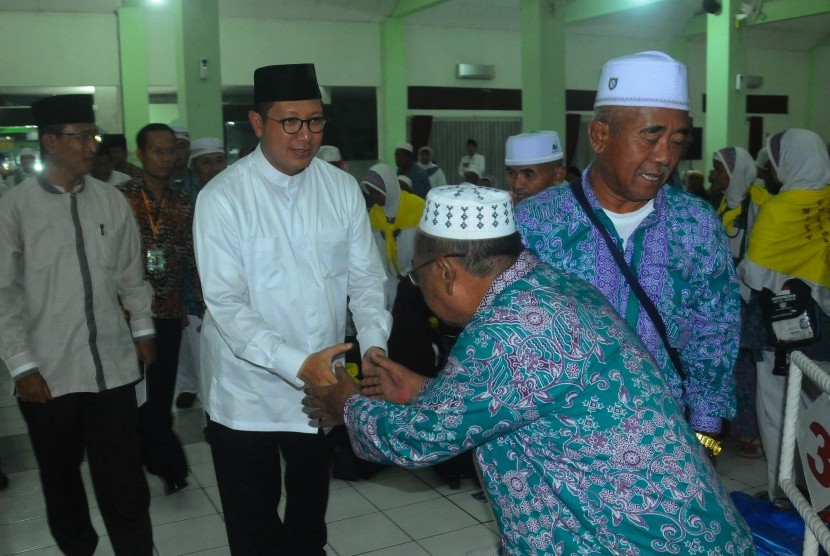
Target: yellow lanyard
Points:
(155, 223)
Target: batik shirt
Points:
(166, 226)
(581, 447)
(681, 257)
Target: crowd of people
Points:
(590, 337)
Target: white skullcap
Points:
(27, 152)
(472, 170)
(406, 180)
(206, 145)
(535, 147)
(181, 132)
(468, 212)
(762, 160)
(644, 79)
(404, 146)
(329, 153)
(425, 148)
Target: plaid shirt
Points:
(172, 218)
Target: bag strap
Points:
(645, 302)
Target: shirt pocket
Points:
(100, 246)
(333, 252)
(264, 267)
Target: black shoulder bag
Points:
(645, 302)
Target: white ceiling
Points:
(660, 20)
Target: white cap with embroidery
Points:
(535, 147)
(468, 212)
(649, 78)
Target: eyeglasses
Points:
(413, 274)
(294, 125)
(83, 136)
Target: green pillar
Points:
(393, 94)
(543, 65)
(199, 84)
(133, 56)
(725, 98)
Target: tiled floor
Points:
(397, 513)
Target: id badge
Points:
(155, 260)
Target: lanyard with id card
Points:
(155, 258)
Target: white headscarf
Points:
(382, 178)
(800, 159)
(741, 168)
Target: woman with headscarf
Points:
(394, 219)
(733, 172)
(791, 240)
(435, 173)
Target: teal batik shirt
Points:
(680, 256)
(581, 446)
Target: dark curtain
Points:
(420, 129)
(571, 137)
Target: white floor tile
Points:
(477, 508)
(213, 494)
(430, 477)
(408, 549)
(219, 551)
(364, 534)
(345, 503)
(748, 471)
(396, 491)
(25, 535)
(192, 535)
(185, 504)
(22, 482)
(20, 507)
(430, 518)
(11, 421)
(204, 473)
(459, 542)
(198, 453)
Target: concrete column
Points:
(543, 65)
(725, 97)
(133, 56)
(393, 88)
(199, 75)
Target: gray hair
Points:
(609, 115)
(482, 257)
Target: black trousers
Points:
(161, 449)
(248, 472)
(104, 425)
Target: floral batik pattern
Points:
(681, 257)
(581, 446)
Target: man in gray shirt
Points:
(69, 251)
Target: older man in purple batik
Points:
(672, 242)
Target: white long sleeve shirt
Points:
(278, 256)
(65, 261)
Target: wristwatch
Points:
(709, 442)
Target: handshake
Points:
(326, 393)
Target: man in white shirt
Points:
(282, 240)
(471, 160)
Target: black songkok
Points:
(285, 82)
(64, 109)
(115, 140)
